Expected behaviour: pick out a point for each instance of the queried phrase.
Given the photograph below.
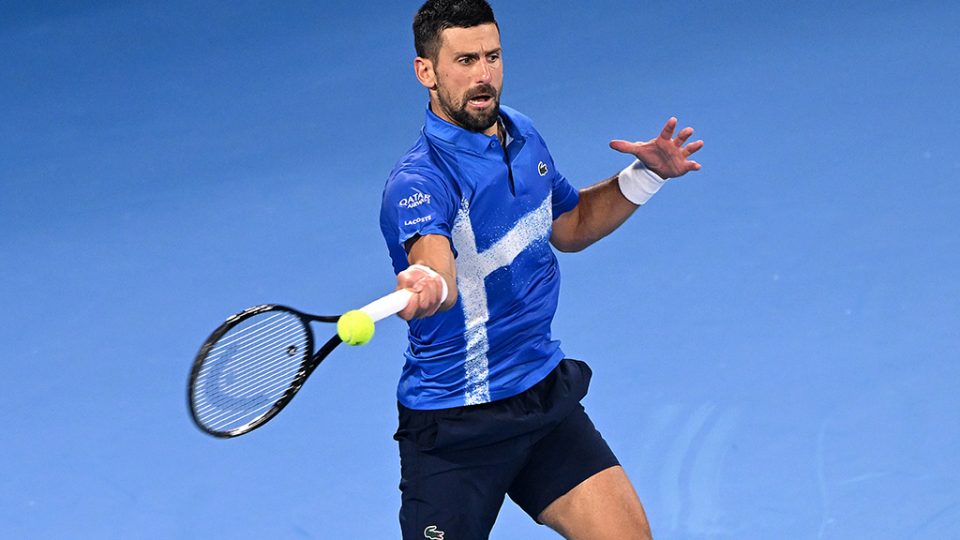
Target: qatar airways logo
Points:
(415, 200)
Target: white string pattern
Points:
(248, 369)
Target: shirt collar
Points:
(437, 128)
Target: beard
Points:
(458, 110)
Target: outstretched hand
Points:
(665, 155)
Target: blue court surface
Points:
(775, 339)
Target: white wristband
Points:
(433, 273)
(638, 183)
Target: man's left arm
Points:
(606, 205)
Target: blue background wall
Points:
(775, 339)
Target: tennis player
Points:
(488, 405)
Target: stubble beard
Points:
(478, 121)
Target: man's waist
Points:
(435, 384)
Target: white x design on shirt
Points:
(473, 267)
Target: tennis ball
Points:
(355, 327)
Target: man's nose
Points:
(486, 71)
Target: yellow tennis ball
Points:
(355, 327)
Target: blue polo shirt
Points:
(497, 208)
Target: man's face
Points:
(469, 77)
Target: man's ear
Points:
(423, 67)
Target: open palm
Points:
(665, 155)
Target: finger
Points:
(682, 137)
(415, 308)
(692, 147)
(626, 147)
(405, 281)
(429, 296)
(668, 128)
(408, 277)
(427, 293)
(408, 312)
(434, 305)
(693, 166)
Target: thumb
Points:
(419, 285)
(626, 147)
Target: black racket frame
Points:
(307, 367)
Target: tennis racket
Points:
(252, 366)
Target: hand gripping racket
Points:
(250, 367)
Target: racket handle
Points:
(390, 304)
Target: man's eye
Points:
(493, 58)
(466, 60)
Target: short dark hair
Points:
(435, 16)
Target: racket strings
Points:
(238, 395)
(249, 361)
(243, 360)
(253, 328)
(249, 369)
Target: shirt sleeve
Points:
(565, 196)
(416, 203)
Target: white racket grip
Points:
(388, 305)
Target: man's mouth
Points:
(481, 101)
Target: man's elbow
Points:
(569, 235)
(567, 245)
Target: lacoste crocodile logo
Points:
(432, 533)
(542, 168)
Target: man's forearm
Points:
(602, 208)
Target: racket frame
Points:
(378, 310)
(307, 366)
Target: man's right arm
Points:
(432, 251)
(416, 215)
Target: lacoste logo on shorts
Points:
(542, 167)
(432, 533)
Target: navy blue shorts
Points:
(457, 464)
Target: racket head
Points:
(249, 369)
